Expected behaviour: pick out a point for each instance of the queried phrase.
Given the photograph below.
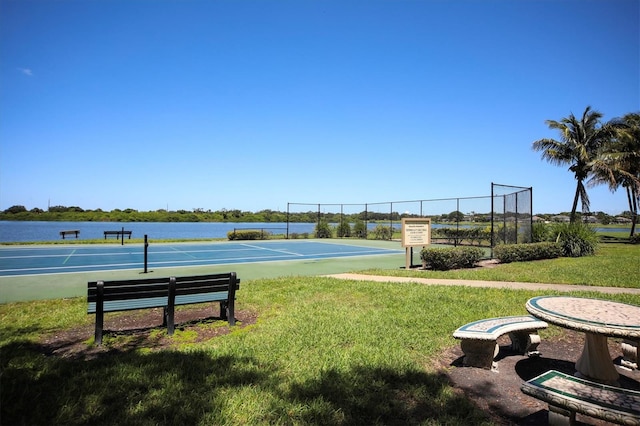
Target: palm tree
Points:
(618, 164)
(580, 141)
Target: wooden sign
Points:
(416, 232)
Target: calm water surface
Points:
(13, 231)
(17, 231)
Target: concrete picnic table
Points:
(598, 319)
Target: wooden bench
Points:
(75, 232)
(568, 395)
(479, 338)
(166, 293)
(117, 233)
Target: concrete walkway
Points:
(494, 284)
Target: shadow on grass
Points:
(165, 387)
(622, 239)
(195, 387)
(365, 395)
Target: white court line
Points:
(273, 250)
(66, 255)
(175, 250)
(70, 267)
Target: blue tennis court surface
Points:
(67, 259)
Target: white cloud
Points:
(26, 71)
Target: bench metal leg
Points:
(97, 336)
(231, 301)
(480, 353)
(223, 309)
(525, 342)
(169, 310)
(231, 315)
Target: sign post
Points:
(416, 232)
(146, 248)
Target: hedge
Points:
(507, 253)
(443, 259)
(247, 234)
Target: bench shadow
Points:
(505, 352)
(177, 325)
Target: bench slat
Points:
(201, 298)
(130, 304)
(203, 289)
(131, 294)
(207, 277)
(129, 283)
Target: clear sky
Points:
(253, 104)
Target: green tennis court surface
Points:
(53, 260)
(45, 272)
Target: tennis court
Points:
(21, 261)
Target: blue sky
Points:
(253, 104)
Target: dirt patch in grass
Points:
(498, 392)
(144, 330)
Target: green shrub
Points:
(344, 229)
(576, 239)
(295, 235)
(459, 235)
(323, 230)
(541, 232)
(508, 253)
(506, 234)
(248, 234)
(359, 229)
(382, 232)
(443, 259)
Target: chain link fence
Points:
(504, 217)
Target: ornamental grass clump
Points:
(576, 239)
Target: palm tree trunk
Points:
(633, 207)
(572, 217)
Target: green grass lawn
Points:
(323, 351)
(613, 265)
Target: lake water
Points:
(19, 231)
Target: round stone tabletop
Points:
(589, 315)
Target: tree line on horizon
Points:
(77, 214)
(597, 153)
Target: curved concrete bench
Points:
(479, 338)
(568, 395)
